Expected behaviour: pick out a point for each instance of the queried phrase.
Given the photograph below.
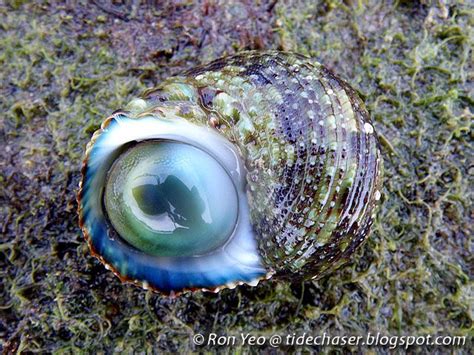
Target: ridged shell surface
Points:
(310, 158)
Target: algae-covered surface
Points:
(65, 66)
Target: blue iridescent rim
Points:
(236, 262)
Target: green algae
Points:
(64, 68)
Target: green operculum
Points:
(171, 199)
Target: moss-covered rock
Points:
(65, 67)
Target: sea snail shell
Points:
(257, 165)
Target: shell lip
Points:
(143, 284)
(124, 277)
(171, 293)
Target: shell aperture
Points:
(236, 259)
(260, 164)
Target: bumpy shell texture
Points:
(307, 174)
